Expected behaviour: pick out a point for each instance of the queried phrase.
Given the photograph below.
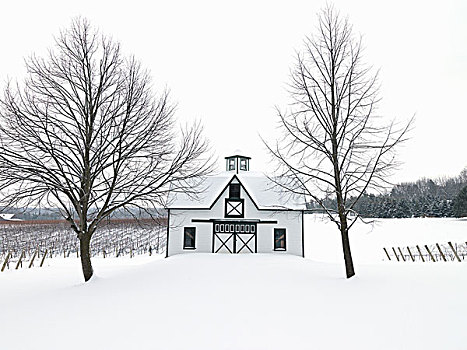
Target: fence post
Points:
(20, 261)
(6, 261)
(454, 251)
(397, 257)
(431, 255)
(420, 252)
(441, 252)
(402, 254)
(43, 258)
(411, 256)
(32, 259)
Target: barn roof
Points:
(260, 189)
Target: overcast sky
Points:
(227, 63)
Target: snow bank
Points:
(257, 301)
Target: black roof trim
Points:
(251, 221)
(237, 155)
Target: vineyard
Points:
(425, 253)
(119, 237)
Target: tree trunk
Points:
(86, 257)
(349, 269)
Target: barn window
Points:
(189, 238)
(232, 164)
(234, 191)
(279, 239)
(243, 164)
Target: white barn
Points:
(239, 212)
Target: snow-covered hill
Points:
(240, 302)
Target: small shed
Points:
(239, 212)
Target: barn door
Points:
(223, 238)
(224, 243)
(234, 237)
(245, 243)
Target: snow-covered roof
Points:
(8, 217)
(260, 189)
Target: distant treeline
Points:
(442, 197)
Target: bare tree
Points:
(86, 133)
(333, 144)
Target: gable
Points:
(256, 187)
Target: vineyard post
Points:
(411, 256)
(420, 252)
(6, 261)
(441, 252)
(20, 261)
(394, 250)
(387, 254)
(454, 251)
(402, 254)
(431, 255)
(43, 258)
(32, 259)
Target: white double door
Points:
(234, 237)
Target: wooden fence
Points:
(28, 245)
(427, 253)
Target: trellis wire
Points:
(114, 238)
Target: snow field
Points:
(323, 242)
(258, 301)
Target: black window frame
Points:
(185, 232)
(278, 231)
(232, 192)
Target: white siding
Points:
(290, 220)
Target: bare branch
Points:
(333, 144)
(87, 133)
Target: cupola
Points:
(237, 163)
